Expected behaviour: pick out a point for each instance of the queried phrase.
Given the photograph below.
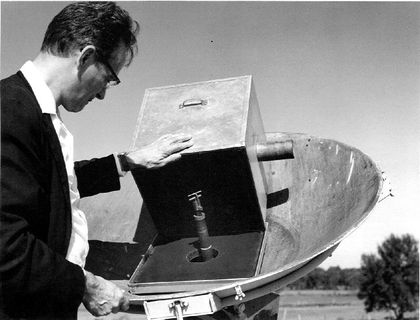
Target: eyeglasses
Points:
(116, 80)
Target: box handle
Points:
(193, 103)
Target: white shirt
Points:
(79, 246)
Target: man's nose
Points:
(101, 94)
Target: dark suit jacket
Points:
(35, 227)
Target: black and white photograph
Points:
(210, 160)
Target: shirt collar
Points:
(42, 92)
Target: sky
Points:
(348, 71)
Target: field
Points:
(301, 305)
(327, 305)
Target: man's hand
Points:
(159, 153)
(103, 297)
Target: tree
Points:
(350, 278)
(316, 279)
(391, 281)
(333, 278)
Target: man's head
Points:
(101, 38)
(101, 24)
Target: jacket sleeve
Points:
(32, 276)
(97, 176)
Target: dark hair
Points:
(102, 24)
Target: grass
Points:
(327, 305)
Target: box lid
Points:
(214, 112)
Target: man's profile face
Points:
(91, 80)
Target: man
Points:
(43, 243)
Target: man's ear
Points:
(86, 56)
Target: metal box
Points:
(224, 120)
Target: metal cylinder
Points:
(205, 248)
(275, 150)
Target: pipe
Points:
(205, 248)
(275, 150)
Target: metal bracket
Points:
(178, 307)
(239, 293)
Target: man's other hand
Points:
(103, 297)
(159, 153)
